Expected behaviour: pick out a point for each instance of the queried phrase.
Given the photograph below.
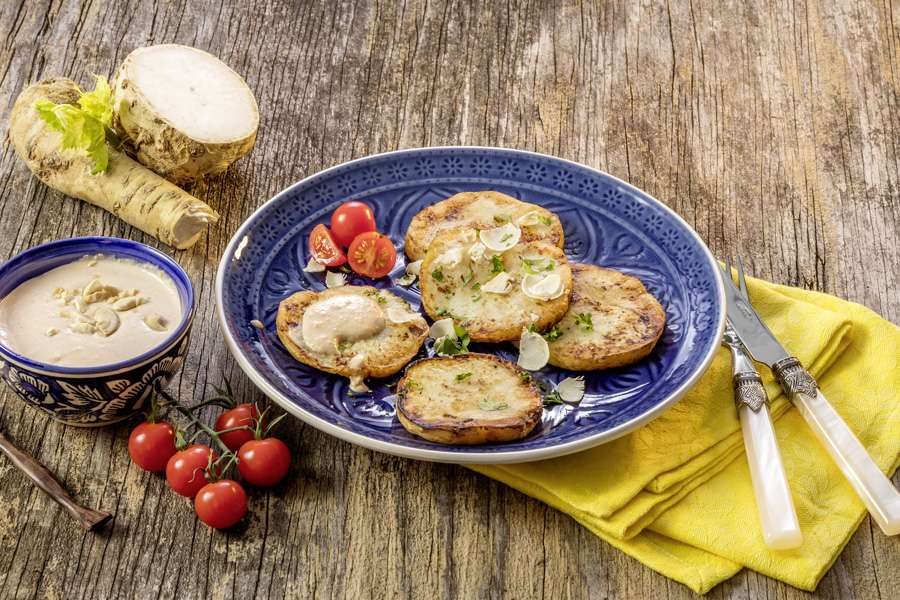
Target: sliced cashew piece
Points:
(128, 303)
(156, 322)
(106, 321)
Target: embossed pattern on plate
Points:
(606, 222)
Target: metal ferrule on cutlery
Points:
(873, 487)
(778, 518)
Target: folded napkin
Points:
(676, 494)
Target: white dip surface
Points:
(94, 311)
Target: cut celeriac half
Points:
(571, 389)
(313, 266)
(533, 351)
(499, 284)
(335, 279)
(182, 112)
(543, 286)
(500, 239)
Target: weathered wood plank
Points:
(770, 126)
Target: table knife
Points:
(876, 491)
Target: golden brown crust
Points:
(385, 354)
(477, 210)
(493, 317)
(468, 399)
(627, 321)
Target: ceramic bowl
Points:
(94, 396)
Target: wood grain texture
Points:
(772, 127)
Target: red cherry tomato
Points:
(264, 462)
(185, 472)
(242, 414)
(351, 219)
(221, 504)
(324, 248)
(151, 445)
(372, 254)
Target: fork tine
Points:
(741, 279)
(728, 267)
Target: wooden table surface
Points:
(772, 127)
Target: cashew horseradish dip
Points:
(94, 311)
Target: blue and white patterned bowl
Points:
(606, 221)
(94, 396)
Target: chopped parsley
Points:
(411, 385)
(553, 334)
(552, 399)
(378, 296)
(438, 274)
(533, 266)
(501, 219)
(447, 346)
(506, 237)
(442, 312)
(467, 279)
(460, 377)
(344, 346)
(492, 405)
(525, 377)
(585, 321)
(545, 219)
(496, 265)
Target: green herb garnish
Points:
(468, 277)
(460, 377)
(533, 266)
(438, 274)
(552, 398)
(492, 405)
(496, 265)
(377, 295)
(585, 321)
(525, 377)
(553, 334)
(447, 346)
(501, 219)
(441, 312)
(84, 127)
(506, 237)
(545, 219)
(342, 346)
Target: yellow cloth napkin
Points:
(676, 494)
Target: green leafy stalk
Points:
(84, 127)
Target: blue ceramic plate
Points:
(607, 222)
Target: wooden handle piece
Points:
(44, 479)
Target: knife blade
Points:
(756, 336)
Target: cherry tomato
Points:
(185, 472)
(151, 445)
(351, 219)
(221, 504)
(324, 248)
(242, 414)
(372, 254)
(264, 462)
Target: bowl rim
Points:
(449, 456)
(104, 245)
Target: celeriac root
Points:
(182, 112)
(127, 189)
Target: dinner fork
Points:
(876, 491)
(777, 516)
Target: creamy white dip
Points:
(94, 311)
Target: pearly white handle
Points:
(781, 530)
(876, 491)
